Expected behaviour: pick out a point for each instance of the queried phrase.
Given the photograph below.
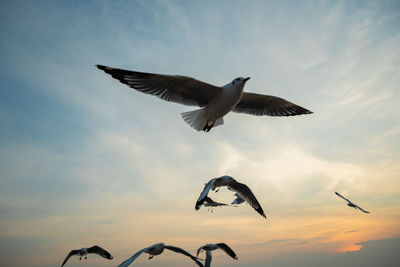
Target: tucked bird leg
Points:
(151, 256)
(208, 126)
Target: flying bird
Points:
(84, 251)
(208, 202)
(241, 189)
(351, 204)
(238, 200)
(157, 249)
(215, 101)
(210, 247)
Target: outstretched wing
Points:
(173, 88)
(179, 250)
(100, 251)
(256, 104)
(245, 193)
(227, 249)
(362, 209)
(131, 259)
(72, 253)
(342, 197)
(208, 258)
(204, 194)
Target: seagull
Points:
(208, 202)
(351, 204)
(215, 101)
(238, 200)
(209, 247)
(157, 249)
(242, 189)
(84, 251)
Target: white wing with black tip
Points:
(245, 192)
(173, 88)
(227, 249)
(132, 258)
(100, 251)
(70, 254)
(179, 250)
(204, 194)
(256, 104)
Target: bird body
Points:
(215, 101)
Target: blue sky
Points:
(85, 160)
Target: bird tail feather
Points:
(194, 119)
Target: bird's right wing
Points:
(227, 249)
(131, 259)
(245, 192)
(342, 197)
(208, 259)
(184, 252)
(71, 253)
(173, 88)
(100, 251)
(362, 209)
(204, 194)
(256, 104)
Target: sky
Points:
(85, 160)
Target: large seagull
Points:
(84, 251)
(157, 249)
(215, 101)
(241, 189)
(351, 204)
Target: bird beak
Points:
(246, 79)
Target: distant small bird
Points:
(209, 247)
(238, 200)
(157, 249)
(215, 101)
(242, 190)
(84, 251)
(351, 204)
(208, 202)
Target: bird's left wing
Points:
(204, 194)
(71, 253)
(245, 192)
(342, 197)
(227, 249)
(100, 251)
(179, 250)
(131, 259)
(256, 104)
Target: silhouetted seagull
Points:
(351, 204)
(238, 200)
(242, 189)
(157, 249)
(84, 251)
(215, 101)
(208, 202)
(209, 247)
